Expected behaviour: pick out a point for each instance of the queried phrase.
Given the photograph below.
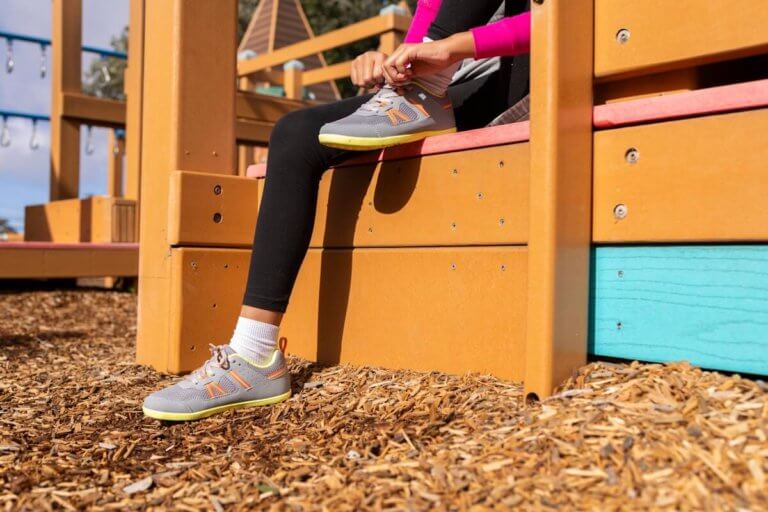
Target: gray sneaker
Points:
(392, 117)
(226, 381)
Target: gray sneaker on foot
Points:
(226, 381)
(392, 117)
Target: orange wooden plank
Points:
(694, 180)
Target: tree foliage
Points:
(104, 77)
(5, 227)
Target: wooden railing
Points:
(390, 27)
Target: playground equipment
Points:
(627, 219)
(71, 237)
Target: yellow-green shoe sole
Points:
(191, 416)
(370, 143)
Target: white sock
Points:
(254, 340)
(438, 83)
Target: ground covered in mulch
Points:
(626, 437)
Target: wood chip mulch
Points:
(616, 437)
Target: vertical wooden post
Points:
(66, 39)
(389, 41)
(293, 82)
(188, 120)
(133, 92)
(245, 157)
(561, 190)
(115, 154)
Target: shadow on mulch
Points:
(30, 340)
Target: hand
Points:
(367, 69)
(411, 60)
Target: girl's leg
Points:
(295, 164)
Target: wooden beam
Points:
(368, 28)
(188, 119)
(253, 132)
(327, 73)
(134, 93)
(66, 67)
(693, 33)
(84, 109)
(263, 107)
(30, 260)
(560, 194)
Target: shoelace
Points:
(382, 100)
(218, 358)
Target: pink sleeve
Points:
(505, 38)
(426, 12)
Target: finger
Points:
(403, 60)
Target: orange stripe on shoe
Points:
(218, 388)
(239, 379)
(209, 389)
(278, 373)
(392, 118)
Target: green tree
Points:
(104, 77)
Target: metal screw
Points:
(620, 211)
(501, 163)
(620, 273)
(632, 156)
(479, 195)
(619, 325)
(453, 225)
(217, 190)
(370, 230)
(217, 217)
(501, 222)
(215, 153)
(623, 35)
(455, 172)
(193, 265)
(453, 266)
(503, 267)
(191, 348)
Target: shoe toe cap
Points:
(157, 402)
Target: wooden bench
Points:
(480, 251)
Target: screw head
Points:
(217, 217)
(632, 156)
(503, 267)
(620, 211)
(479, 195)
(454, 171)
(620, 273)
(453, 225)
(217, 190)
(501, 222)
(453, 266)
(623, 35)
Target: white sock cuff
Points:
(254, 329)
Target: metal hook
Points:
(105, 71)
(5, 134)
(33, 142)
(43, 62)
(89, 149)
(10, 63)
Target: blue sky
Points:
(23, 172)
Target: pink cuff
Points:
(505, 38)
(426, 12)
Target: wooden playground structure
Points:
(628, 219)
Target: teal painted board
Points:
(707, 304)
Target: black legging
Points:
(296, 161)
